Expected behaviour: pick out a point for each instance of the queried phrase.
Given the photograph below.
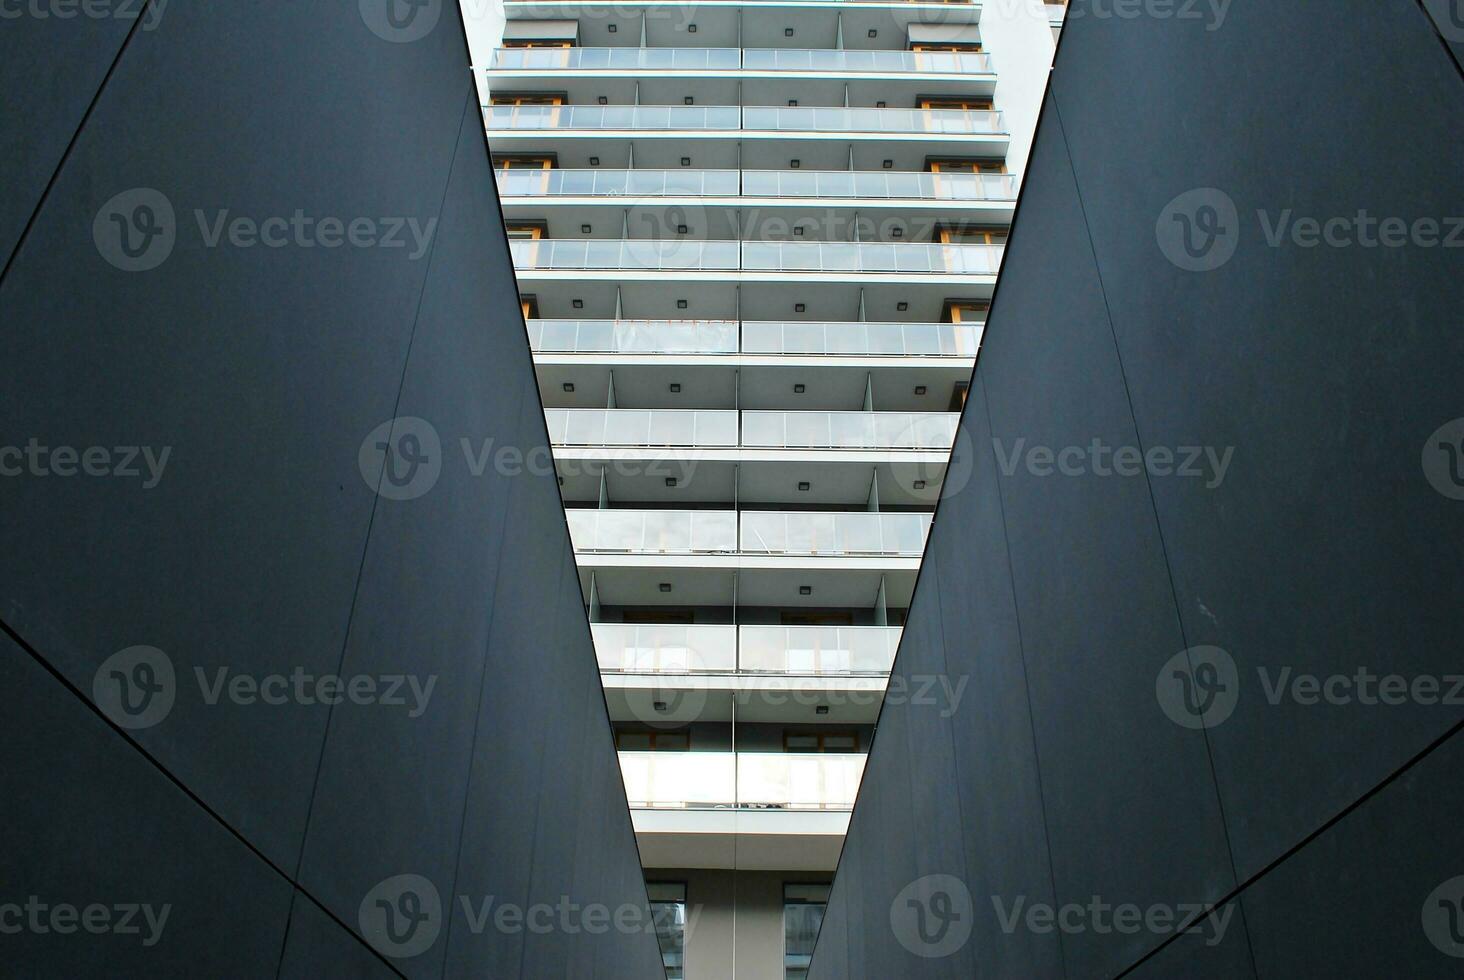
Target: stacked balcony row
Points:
(733, 59)
(669, 648)
(783, 120)
(749, 532)
(820, 184)
(824, 781)
(687, 255)
(730, 429)
(798, 337)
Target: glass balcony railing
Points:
(905, 257)
(675, 254)
(634, 336)
(879, 184)
(861, 339)
(817, 649)
(758, 337)
(661, 427)
(805, 533)
(618, 59)
(787, 121)
(849, 430)
(652, 117)
(654, 648)
(804, 650)
(864, 184)
(618, 183)
(893, 62)
(689, 255)
(791, 780)
(669, 532)
(717, 428)
(830, 119)
(732, 59)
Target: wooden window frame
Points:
(951, 310)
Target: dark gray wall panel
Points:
(319, 947)
(1131, 816)
(266, 548)
(1353, 902)
(50, 69)
(261, 368)
(1323, 548)
(1324, 369)
(89, 821)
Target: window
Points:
(954, 102)
(526, 230)
(964, 311)
(523, 163)
(524, 42)
(803, 913)
(820, 741)
(668, 912)
(970, 235)
(530, 306)
(632, 741)
(522, 98)
(968, 165)
(945, 46)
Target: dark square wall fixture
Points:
(1205, 658)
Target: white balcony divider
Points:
(634, 336)
(669, 648)
(620, 183)
(861, 338)
(817, 649)
(849, 430)
(679, 779)
(791, 780)
(798, 780)
(655, 532)
(690, 255)
(844, 533)
(785, 120)
(659, 427)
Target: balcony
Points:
(770, 650)
(714, 532)
(677, 780)
(688, 255)
(783, 120)
(701, 60)
(662, 428)
(834, 534)
(718, 428)
(849, 430)
(634, 336)
(653, 532)
(795, 337)
(783, 184)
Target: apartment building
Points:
(755, 243)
